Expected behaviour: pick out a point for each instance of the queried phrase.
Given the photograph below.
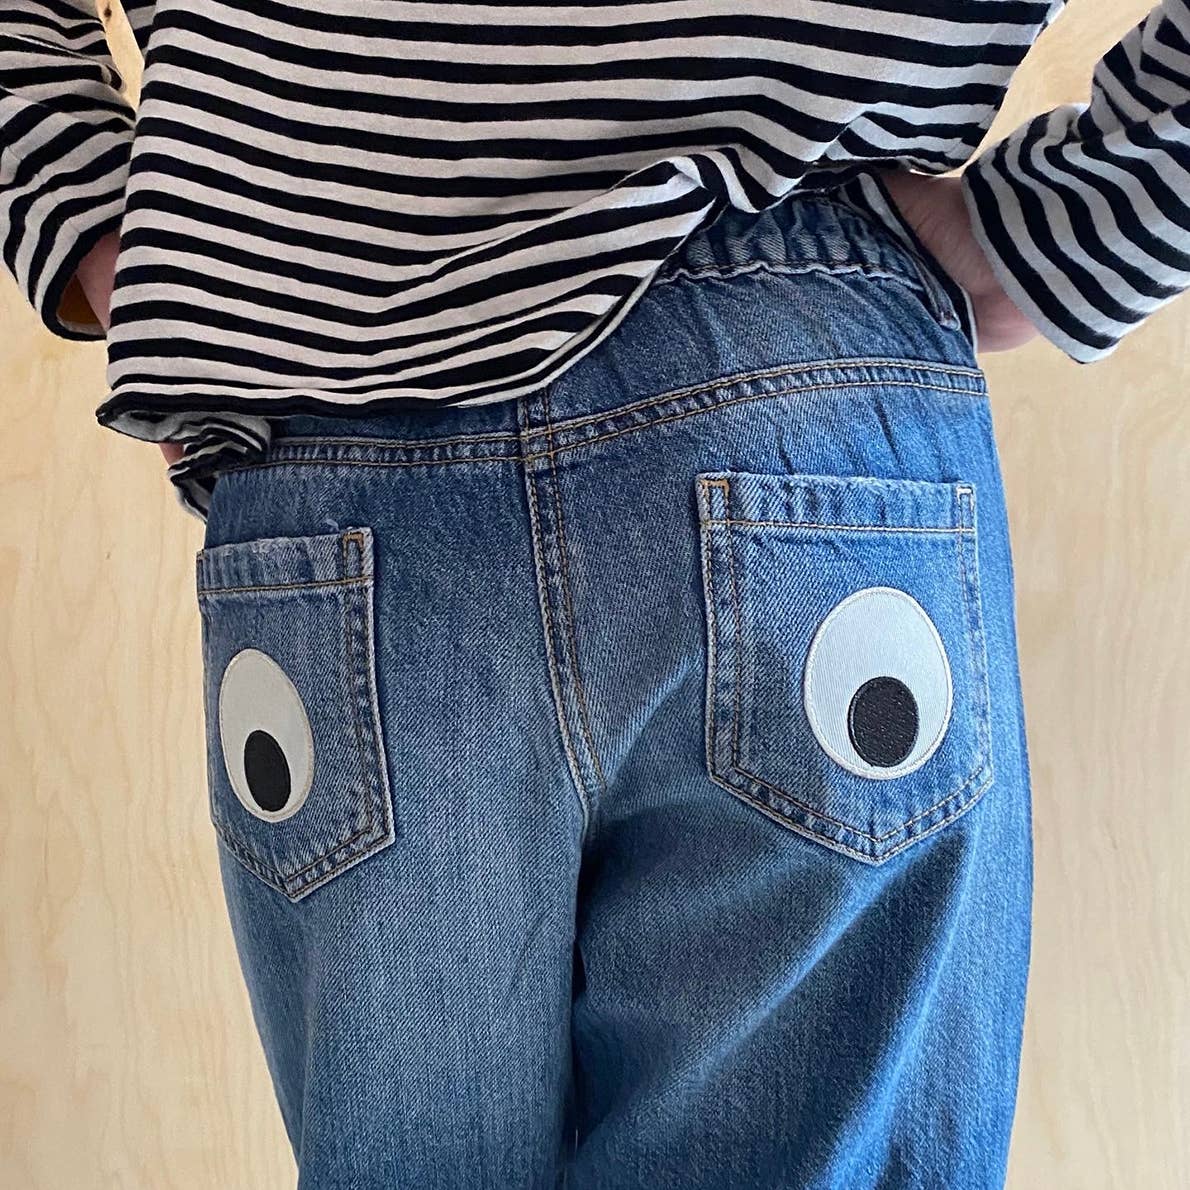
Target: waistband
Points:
(852, 223)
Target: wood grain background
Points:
(128, 1057)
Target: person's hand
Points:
(96, 273)
(934, 208)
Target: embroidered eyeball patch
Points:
(877, 688)
(265, 735)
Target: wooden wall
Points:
(128, 1057)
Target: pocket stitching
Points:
(356, 581)
(981, 765)
(295, 880)
(836, 844)
(959, 532)
(294, 877)
(297, 884)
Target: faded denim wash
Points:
(625, 785)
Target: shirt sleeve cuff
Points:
(998, 226)
(64, 307)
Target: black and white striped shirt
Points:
(356, 204)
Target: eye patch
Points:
(268, 746)
(877, 687)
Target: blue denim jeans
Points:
(625, 785)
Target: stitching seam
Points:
(531, 483)
(966, 495)
(845, 528)
(535, 456)
(328, 582)
(977, 771)
(739, 649)
(833, 268)
(712, 626)
(584, 723)
(828, 841)
(674, 394)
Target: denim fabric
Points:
(626, 785)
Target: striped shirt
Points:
(349, 205)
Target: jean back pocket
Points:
(297, 774)
(847, 687)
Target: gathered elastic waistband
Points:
(853, 225)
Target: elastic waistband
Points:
(852, 224)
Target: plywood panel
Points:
(1096, 464)
(129, 1058)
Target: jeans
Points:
(625, 785)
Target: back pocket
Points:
(296, 767)
(847, 692)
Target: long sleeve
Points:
(65, 138)
(1084, 211)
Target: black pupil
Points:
(882, 721)
(267, 771)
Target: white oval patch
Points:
(265, 735)
(877, 635)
